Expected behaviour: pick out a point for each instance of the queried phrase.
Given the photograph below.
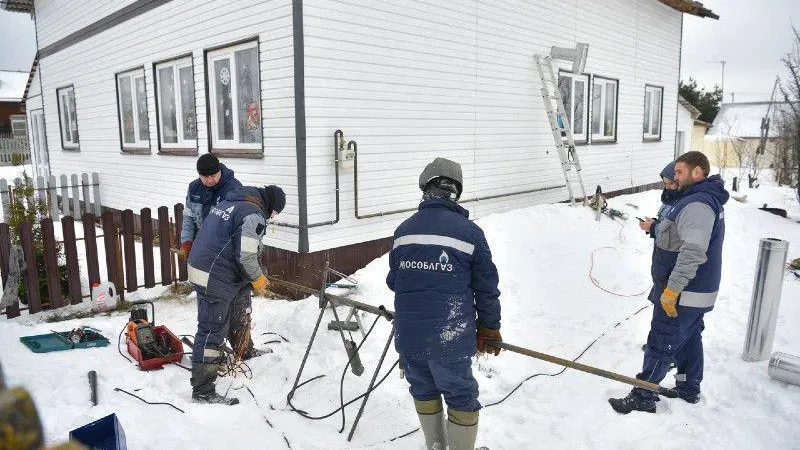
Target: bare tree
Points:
(789, 117)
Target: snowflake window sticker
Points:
(224, 76)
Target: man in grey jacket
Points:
(686, 269)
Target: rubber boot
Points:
(431, 419)
(462, 429)
(203, 389)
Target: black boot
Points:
(203, 390)
(675, 393)
(632, 403)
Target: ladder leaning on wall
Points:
(556, 113)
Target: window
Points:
(67, 118)
(574, 91)
(175, 114)
(132, 105)
(19, 125)
(235, 97)
(604, 109)
(653, 96)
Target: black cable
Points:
(343, 405)
(119, 341)
(275, 334)
(149, 403)
(346, 366)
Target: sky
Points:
(751, 36)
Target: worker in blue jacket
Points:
(447, 307)
(686, 272)
(224, 269)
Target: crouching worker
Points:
(442, 274)
(224, 269)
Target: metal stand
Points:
(350, 347)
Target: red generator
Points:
(152, 346)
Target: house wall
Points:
(173, 29)
(410, 80)
(724, 153)
(685, 125)
(699, 138)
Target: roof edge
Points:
(691, 7)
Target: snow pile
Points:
(568, 283)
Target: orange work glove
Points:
(669, 300)
(486, 339)
(260, 286)
(186, 247)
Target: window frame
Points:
(18, 118)
(184, 147)
(139, 146)
(68, 144)
(584, 137)
(648, 112)
(600, 138)
(231, 148)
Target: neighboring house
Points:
(137, 89)
(12, 108)
(699, 135)
(737, 130)
(687, 114)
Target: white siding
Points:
(413, 79)
(173, 29)
(686, 125)
(57, 19)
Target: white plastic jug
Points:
(104, 296)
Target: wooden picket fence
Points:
(70, 193)
(14, 149)
(119, 241)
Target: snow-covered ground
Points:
(556, 266)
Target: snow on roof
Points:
(12, 85)
(744, 119)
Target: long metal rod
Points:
(371, 385)
(336, 300)
(583, 367)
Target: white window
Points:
(132, 102)
(604, 109)
(19, 125)
(653, 96)
(177, 123)
(67, 118)
(235, 97)
(574, 91)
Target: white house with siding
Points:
(137, 89)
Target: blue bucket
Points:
(102, 434)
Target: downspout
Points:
(300, 124)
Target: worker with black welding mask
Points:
(446, 307)
(224, 269)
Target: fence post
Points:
(147, 248)
(52, 197)
(51, 264)
(40, 191)
(110, 241)
(65, 196)
(98, 208)
(130, 251)
(71, 252)
(87, 207)
(5, 251)
(31, 270)
(76, 198)
(163, 238)
(90, 241)
(182, 269)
